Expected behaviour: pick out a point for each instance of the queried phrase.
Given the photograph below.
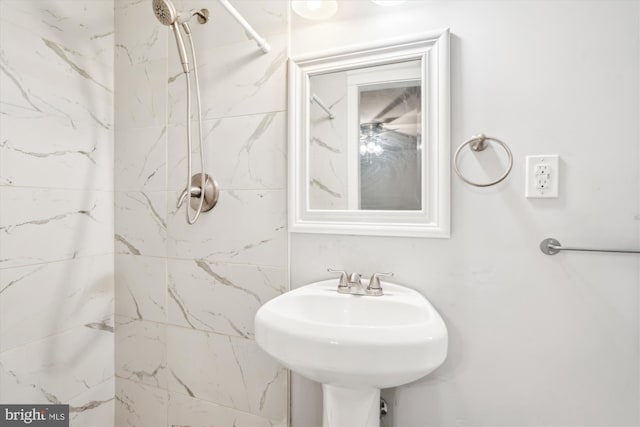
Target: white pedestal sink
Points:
(353, 345)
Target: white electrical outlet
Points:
(542, 177)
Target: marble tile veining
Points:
(141, 161)
(140, 66)
(40, 225)
(140, 223)
(228, 371)
(267, 17)
(201, 292)
(141, 287)
(188, 411)
(245, 227)
(32, 148)
(186, 294)
(235, 80)
(56, 206)
(137, 33)
(139, 405)
(58, 368)
(95, 407)
(246, 152)
(56, 102)
(86, 32)
(40, 300)
(79, 65)
(141, 354)
(141, 92)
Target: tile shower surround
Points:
(186, 295)
(181, 294)
(56, 206)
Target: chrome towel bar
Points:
(551, 246)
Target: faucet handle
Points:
(194, 191)
(355, 279)
(344, 280)
(374, 282)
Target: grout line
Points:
(55, 334)
(176, 190)
(83, 190)
(169, 392)
(167, 323)
(81, 257)
(119, 129)
(172, 258)
(93, 388)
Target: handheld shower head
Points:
(167, 14)
(165, 11)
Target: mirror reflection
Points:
(365, 138)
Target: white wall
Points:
(534, 340)
(56, 206)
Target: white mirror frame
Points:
(433, 220)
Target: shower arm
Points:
(262, 43)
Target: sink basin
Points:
(353, 345)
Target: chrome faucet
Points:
(374, 287)
(343, 282)
(352, 283)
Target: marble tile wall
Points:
(56, 206)
(186, 295)
(328, 176)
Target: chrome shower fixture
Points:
(202, 14)
(167, 14)
(201, 189)
(165, 11)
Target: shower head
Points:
(167, 15)
(165, 11)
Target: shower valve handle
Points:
(195, 192)
(205, 195)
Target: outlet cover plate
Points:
(542, 176)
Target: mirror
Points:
(377, 112)
(369, 139)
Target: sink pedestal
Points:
(347, 407)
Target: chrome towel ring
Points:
(479, 143)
